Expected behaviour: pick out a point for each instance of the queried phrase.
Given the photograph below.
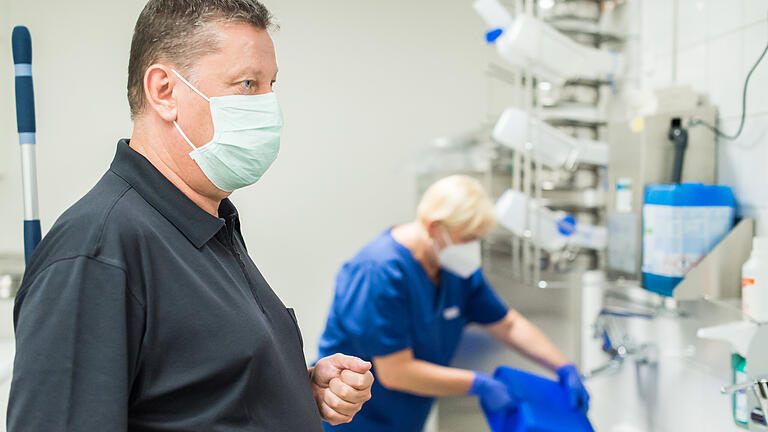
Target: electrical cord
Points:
(697, 122)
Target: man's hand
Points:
(341, 385)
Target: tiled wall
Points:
(717, 43)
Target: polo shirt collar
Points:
(197, 225)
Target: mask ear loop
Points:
(446, 237)
(183, 135)
(178, 128)
(190, 85)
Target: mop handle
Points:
(25, 119)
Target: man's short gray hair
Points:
(179, 32)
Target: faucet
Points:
(759, 386)
(616, 340)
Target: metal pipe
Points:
(527, 179)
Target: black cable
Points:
(696, 122)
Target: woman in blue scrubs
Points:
(403, 301)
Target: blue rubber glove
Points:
(493, 393)
(570, 379)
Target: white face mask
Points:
(246, 138)
(461, 259)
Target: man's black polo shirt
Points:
(142, 312)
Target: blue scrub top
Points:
(384, 303)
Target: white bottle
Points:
(589, 236)
(535, 45)
(547, 229)
(754, 281)
(554, 148)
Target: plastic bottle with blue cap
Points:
(538, 47)
(548, 229)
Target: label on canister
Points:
(676, 238)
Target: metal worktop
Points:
(673, 387)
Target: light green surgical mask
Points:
(246, 138)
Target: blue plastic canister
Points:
(682, 223)
(543, 407)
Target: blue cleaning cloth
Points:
(543, 406)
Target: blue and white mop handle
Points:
(25, 119)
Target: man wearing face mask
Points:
(140, 309)
(403, 301)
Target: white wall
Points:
(5, 99)
(79, 62)
(717, 42)
(363, 84)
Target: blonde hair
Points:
(460, 203)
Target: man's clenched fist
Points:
(341, 385)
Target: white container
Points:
(548, 229)
(551, 146)
(590, 237)
(510, 211)
(593, 152)
(532, 44)
(554, 148)
(754, 281)
(536, 45)
(493, 13)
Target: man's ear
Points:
(158, 89)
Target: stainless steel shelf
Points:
(586, 82)
(598, 37)
(569, 17)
